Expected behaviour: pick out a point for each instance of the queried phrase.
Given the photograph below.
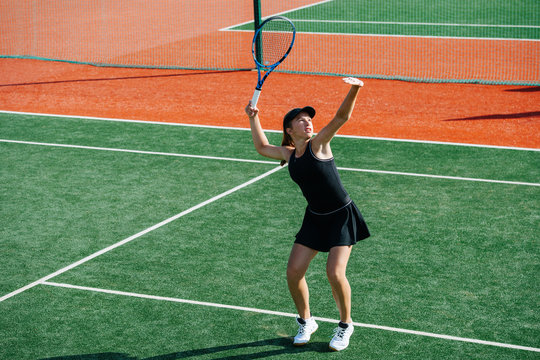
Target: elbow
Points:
(265, 150)
(260, 150)
(344, 115)
(261, 147)
(341, 119)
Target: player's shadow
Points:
(251, 350)
(100, 356)
(254, 350)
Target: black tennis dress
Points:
(331, 217)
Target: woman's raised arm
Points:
(260, 140)
(342, 115)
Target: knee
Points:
(294, 273)
(335, 276)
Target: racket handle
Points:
(255, 97)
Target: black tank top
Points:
(319, 181)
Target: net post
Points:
(257, 23)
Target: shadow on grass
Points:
(251, 350)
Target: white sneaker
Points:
(341, 337)
(305, 331)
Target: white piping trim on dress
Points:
(331, 212)
(315, 156)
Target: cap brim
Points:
(294, 113)
(311, 111)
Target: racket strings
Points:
(276, 39)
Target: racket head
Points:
(273, 41)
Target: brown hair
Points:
(289, 117)
(287, 141)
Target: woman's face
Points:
(301, 126)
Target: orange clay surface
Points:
(478, 114)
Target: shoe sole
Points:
(334, 349)
(304, 343)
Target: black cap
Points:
(292, 114)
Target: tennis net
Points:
(480, 41)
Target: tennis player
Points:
(332, 222)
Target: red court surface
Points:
(502, 115)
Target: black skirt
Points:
(342, 227)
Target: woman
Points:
(332, 222)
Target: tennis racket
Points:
(272, 43)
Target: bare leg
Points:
(336, 268)
(298, 264)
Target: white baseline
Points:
(265, 162)
(163, 123)
(279, 313)
(415, 23)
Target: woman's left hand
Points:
(353, 81)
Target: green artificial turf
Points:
(446, 256)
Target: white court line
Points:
(268, 162)
(414, 23)
(417, 36)
(228, 28)
(136, 151)
(395, 35)
(440, 177)
(162, 123)
(279, 313)
(139, 234)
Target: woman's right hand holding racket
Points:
(251, 111)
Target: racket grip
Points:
(255, 98)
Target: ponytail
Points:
(287, 141)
